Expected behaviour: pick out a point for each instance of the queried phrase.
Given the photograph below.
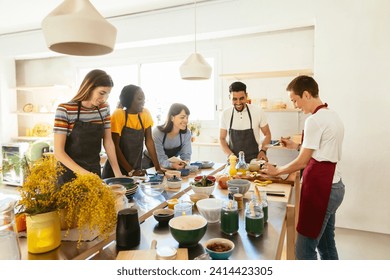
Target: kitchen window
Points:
(163, 86)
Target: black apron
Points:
(83, 145)
(243, 140)
(173, 152)
(132, 145)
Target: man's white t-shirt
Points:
(241, 120)
(324, 133)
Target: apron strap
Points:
(249, 115)
(78, 110)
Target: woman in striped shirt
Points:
(81, 125)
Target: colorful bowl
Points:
(219, 248)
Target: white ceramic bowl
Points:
(210, 209)
(206, 190)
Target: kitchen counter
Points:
(268, 246)
(68, 250)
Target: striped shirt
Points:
(66, 116)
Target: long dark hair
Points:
(175, 110)
(127, 96)
(95, 78)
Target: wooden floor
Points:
(360, 245)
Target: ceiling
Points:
(24, 15)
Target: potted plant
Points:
(194, 127)
(86, 202)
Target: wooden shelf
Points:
(269, 74)
(31, 138)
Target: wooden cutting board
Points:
(150, 254)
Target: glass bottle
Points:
(241, 165)
(232, 163)
(9, 243)
(229, 217)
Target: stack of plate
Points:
(128, 183)
(130, 192)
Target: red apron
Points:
(316, 186)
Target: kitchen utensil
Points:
(128, 234)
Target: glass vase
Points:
(43, 232)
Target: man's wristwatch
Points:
(264, 151)
(131, 173)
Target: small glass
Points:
(232, 191)
(183, 208)
(254, 218)
(229, 217)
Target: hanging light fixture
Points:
(75, 27)
(195, 67)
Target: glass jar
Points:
(229, 217)
(9, 242)
(182, 209)
(254, 218)
(241, 165)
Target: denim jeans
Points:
(305, 248)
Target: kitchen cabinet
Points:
(35, 109)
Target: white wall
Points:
(351, 64)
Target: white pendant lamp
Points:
(75, 27)
(195, 67)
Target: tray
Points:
(149, 254)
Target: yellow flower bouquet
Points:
(86, 201)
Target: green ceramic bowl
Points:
(188, 230)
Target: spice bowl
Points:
(219, 248)
(162, 216)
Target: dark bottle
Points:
(128, 233)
